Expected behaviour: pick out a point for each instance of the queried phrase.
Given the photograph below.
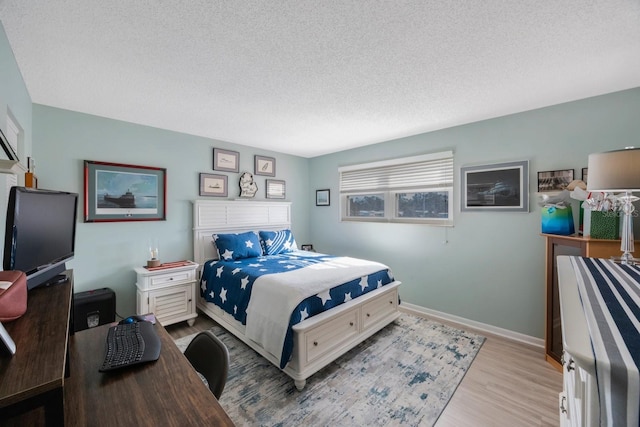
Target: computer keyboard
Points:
(130, 344)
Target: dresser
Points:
(557, 245)
(169, 293)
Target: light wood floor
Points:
(509, 384)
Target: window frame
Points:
(390, 191)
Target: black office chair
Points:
(210, 357)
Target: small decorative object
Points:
(119, 192)
(618, 172)
(213, 185)
(554, 180)
(275, 189)
(557, 219)
(323, 197)
(498, 187)
(601, 218)
(265, 166)
(248, 188)
(225, 160)
(30, 179)
(153, 251)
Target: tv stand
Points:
(34, 376)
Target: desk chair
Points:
(210, 357)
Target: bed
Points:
(308, 343)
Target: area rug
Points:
(404, 375)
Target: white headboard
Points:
(233, 216)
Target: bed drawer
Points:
(379, 308)
(321, 340)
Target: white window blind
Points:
(419, 172)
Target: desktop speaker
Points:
(93, 308)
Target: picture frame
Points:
(585, 175)
(554, 181)
(307, 247)
(264, 166)
(502, 187)
(7, 148)
(119, 192)
(226, 160)
(275, 189)
(214, 185)
(323, 197)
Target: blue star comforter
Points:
(270, 294)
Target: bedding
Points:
(271, 293)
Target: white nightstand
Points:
(168, 293)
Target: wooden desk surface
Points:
(41, 341)
(166, 392)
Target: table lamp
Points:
(618, 172)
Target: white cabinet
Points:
(170, 293)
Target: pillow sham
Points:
(238, 245)
(277, 242)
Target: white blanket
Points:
(275, 296)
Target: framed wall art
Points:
(265, 166)
(226, 160)
(120, 192)
(323, 197)
(214, 185)
(554, 180)
(499, 187)
(275, 189)
(585, 174)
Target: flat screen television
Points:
(40, 233)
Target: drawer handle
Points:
(315, 343)
(368, 315)
(350, 323)
(563, 409)
(391, 302)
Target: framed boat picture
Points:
(118, 192)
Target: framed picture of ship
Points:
(118, 192)
(213, 185)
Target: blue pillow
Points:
(238, 245)
(277, 242)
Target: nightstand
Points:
(169, 293)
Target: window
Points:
(415, 189)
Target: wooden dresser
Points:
(568, 245)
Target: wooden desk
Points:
(166, 392)
(34, 376)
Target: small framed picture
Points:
(323, 197)
(214, 185)
(265, 166)
(225, 160)
(554, 180)
(307, 247)
(275, 189)
(585, 172)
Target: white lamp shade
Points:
(614, 171)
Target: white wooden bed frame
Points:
(318, 340)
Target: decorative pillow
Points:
(238, 245)
(277, 242)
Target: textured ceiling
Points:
(314, 77)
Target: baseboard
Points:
(481, 327)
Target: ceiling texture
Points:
(311, 77)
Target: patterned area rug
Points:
(403, 375)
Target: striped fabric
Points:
(610, 295)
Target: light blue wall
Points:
(490, 266)
(106, 253)
(14, 97)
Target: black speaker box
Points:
(93, 308)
